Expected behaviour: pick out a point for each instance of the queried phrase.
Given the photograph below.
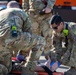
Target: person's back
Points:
(11, 13)
(10, 17)
(16, 34)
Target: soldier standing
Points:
(40, 13)
(69, 31)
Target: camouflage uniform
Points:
(59, 47)
(3, 70)
(69, 56)
(5, 55)
(5, 61)
(25, 5)
(25, 39)
(40, 24)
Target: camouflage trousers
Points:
(40, 26)
(5, 61)
(3, 70)
(37, 44)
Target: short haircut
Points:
(56, 19)
(13, 4)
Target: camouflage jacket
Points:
(69, 57)
(37, 4)
(10, 17)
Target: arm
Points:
(69, 55)
(57, 42)
(26, 23)
(50, 4)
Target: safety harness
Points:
(14, 31)
(65, 32)
(47, 70)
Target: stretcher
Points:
(39, 72)
(55, 73)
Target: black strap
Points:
(47, 70)
(66, 38)
(67, 26)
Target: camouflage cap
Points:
(13, 4)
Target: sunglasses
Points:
(55, 27)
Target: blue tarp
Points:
(54, 62)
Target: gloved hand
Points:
(42, 12)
